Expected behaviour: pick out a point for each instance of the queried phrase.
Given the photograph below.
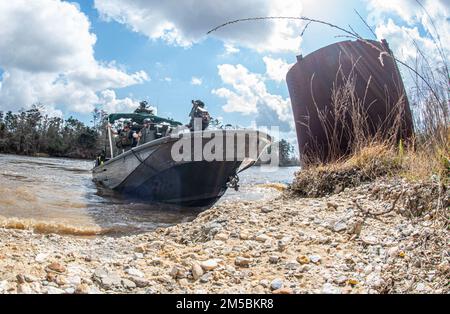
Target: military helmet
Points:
(198, 103)
(127, 123)
(147, 120)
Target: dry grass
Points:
(373, 161)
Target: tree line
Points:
(31, 132)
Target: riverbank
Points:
(356, 241)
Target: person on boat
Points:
(144, 108)
(148, 132)
(126, 139)
(198, 111)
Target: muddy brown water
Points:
(57, 195)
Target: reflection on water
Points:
(58, 195)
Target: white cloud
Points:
(276, 69)
(196, 81)
(47, 54)
(184, 23)
(249, 95)
(110, 103)
(402, 22)
(230, 49)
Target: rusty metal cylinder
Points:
(378, 87)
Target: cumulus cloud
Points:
(276, 69)
(403, 22)
(47, 56)
(111, 103)
(184, 23)
(196, 81)
(249, 95)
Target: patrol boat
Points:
(155, 172)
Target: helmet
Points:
(127, 123)
(198, 103)
(147, 120)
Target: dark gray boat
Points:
(150, 172)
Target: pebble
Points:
(262, 238)
(340, 226)
(53, 290)
(140, 282)
(315, 259)
(41, 258)
(197, 271)
(134, 272)
(283, 291)
(128, 284)
(82, 289)
(56, 267)
(276, 284)
(242, 261)
(274, 259)
(303, 259)
(209, 265)
(374, 280)
(266, 209)
(328, 288)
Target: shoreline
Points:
(287, 245)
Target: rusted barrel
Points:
(314, 82)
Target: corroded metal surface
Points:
(378, 85)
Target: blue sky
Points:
(161, 61)
(73, 56)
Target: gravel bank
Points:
(357, 241)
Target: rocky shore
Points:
(361, 240)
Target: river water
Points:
(57, 195)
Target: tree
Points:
(285, 150)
